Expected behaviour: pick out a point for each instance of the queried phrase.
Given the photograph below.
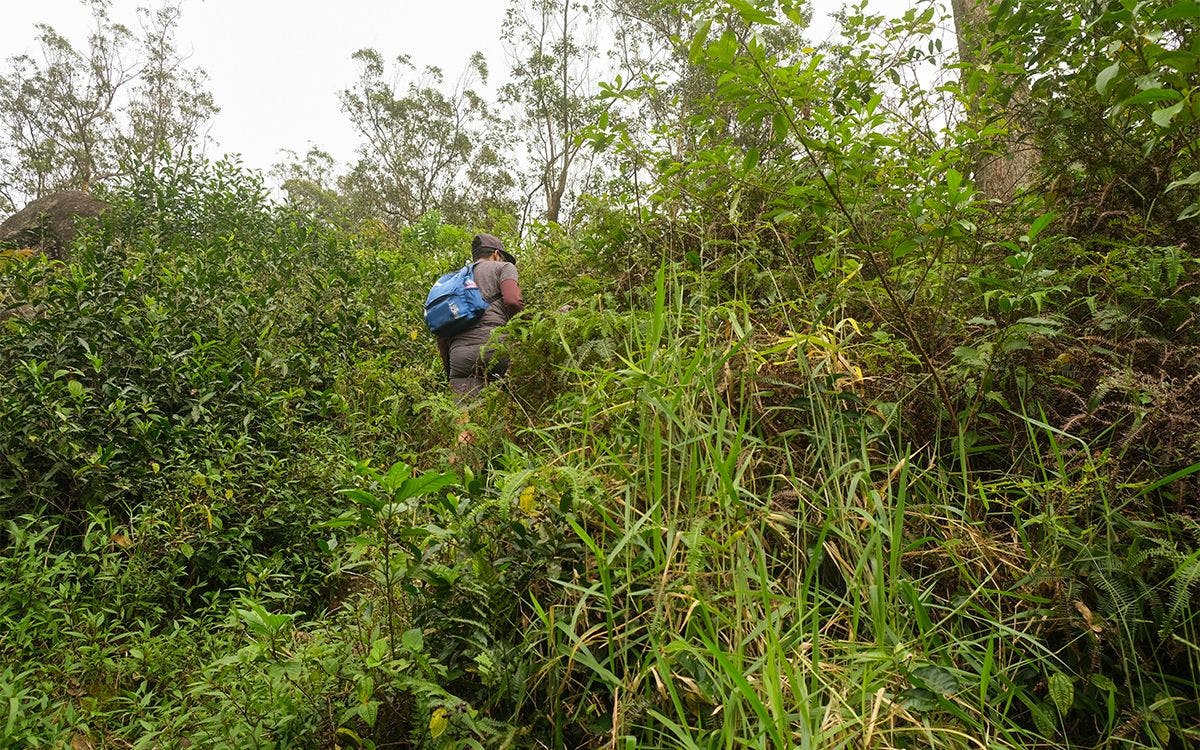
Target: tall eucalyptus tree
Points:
(72, 118)
(425, 146)
(553, 83)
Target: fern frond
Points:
(1186, 576)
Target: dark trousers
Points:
(472, 367)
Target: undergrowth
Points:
(806, 443)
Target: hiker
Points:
(468, 361)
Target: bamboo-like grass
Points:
(827, 588)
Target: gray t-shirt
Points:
(488, 275)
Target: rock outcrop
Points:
(50, 223)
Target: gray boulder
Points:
(49, 224)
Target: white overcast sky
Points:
(275, 66)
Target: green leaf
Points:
(781, 125)
(1192, 179)
(253, 618)
(584, 656)
(970, 356)
(369, 713)
(1062, 692)
(1189, 212)
(724, 48)
(751, 160)
(362, 497)
(1182, 61)
(1043, 719)
(1147, 82)
(1164, 481)
(1163, 117)
(378, 652)
(365, 689)
(1017, 261)
(439, 720)
(399, 472)
(751, 14)
(953, 183)
(1106, 77)
(426, 484)
(1040, 326)
(414, 532)
(1154, 95)
(413, 640)
(1039, 224)
(1103, 683)
(903, 249)
(937, 678)
(918, 699)
(351, 735)
(1187, 9)
(699, 39)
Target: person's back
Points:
(468, 360)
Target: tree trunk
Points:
(1008, 165)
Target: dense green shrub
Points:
(180, 400)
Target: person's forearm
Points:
(510, 293)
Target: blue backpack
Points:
(454, 303)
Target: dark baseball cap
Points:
(491, 242)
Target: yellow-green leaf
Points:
(350, 734)
(526, 499)
(1161, 731)
(75, 388)
(439, 721)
